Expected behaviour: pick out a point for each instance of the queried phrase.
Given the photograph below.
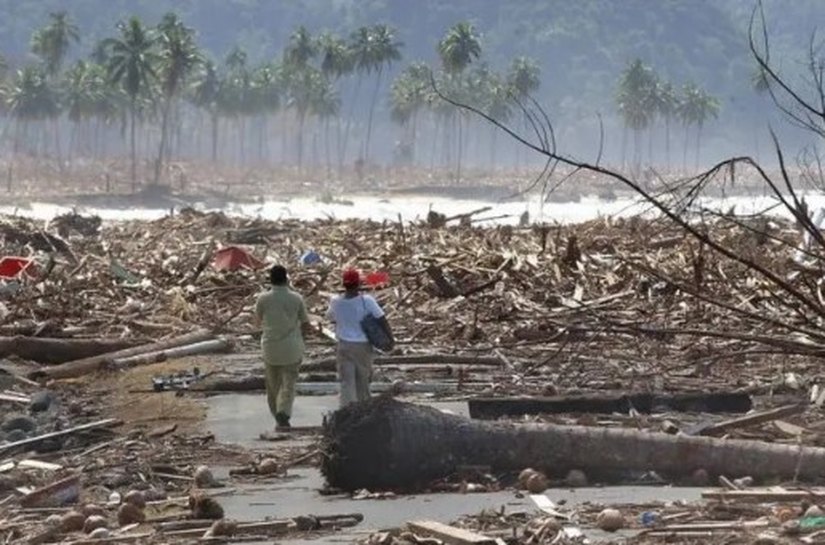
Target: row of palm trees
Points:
(157, 86)
(464, 77)
(159, 76)
(644, 99)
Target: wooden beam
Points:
(752, 419)
(449, 534)
(765, 495)
(109, 422)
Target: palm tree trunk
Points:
(460, 150)
(133, 144)
(342, 159)
(328, 158)
(214, 137)
(301, 119)
(163, 130)
(698, 142)
(372, 110)
(399, 460)
(667, 141)
(685, 150)
(624, 147)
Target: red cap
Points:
(351, 278)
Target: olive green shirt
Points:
(281, 312)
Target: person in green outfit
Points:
(282, 317)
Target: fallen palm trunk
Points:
(387, 444)
(79, 367)
(55, 351)
(721, 402)
(257, 383)
(203, 347)
(329, 364)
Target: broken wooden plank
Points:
(765, 495)
(109, 422)
(449, 534)
(56, 494)
(753, 419)
(38, 464)
(497, 407)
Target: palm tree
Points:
(666, 103)
(178, 57)
(266, 95)
(326, 105)
(635, 102)
(380, 50)
(131, 65)
(459, 47)
(697, 106)
(303, 85)
(337, 61)
(52, 42)
(30, 97)
(206, 95)
(523, 79)
(524, 76)
(302, 48)
(85, 92)
(408, 95)
(236, 98)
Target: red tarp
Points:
(12, 267)
(233, 258)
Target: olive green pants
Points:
(280, 387)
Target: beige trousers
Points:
(354, 371)
(280, 387)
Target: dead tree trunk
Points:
(53, 351)
(387, 444)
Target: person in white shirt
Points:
(354, 354)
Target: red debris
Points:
(377, 279)
(232, 258)
(12, 267)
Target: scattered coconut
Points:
(72, 522)
(610, 520)
(222, 527)
(537, 483)
(90, 509)
(766, 538)
(100, 533)
(153, 494)
(54, 521)
(700, 477)
(524, 476)
(204, 477)
(814, 511)
(268, 466)
(93, 523)
(576, 478)
(129, 513)
(135, 497)
(204, 507)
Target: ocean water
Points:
(380, 208)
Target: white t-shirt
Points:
(347, 314)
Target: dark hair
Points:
(277, 275)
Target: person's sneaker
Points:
(282, 421)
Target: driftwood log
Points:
(387, 444)
(55, 351)
(715, 402)
(79, 367)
